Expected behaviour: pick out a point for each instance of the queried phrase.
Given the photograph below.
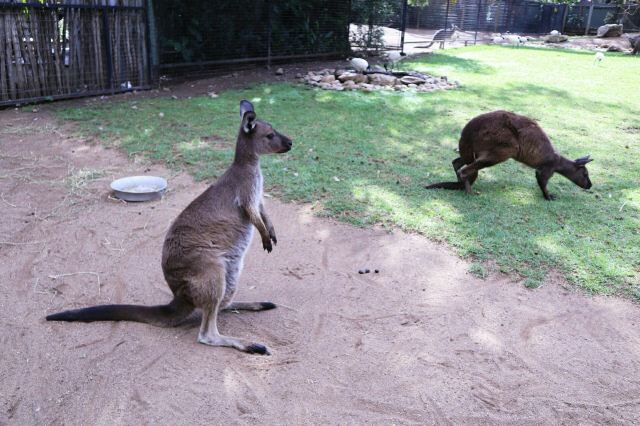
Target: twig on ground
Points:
(26, 243)
(55, 277)
(118, 200)
(106, 243)
(52, 291)
(5, 201)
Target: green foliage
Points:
(207, 31)
(364, 158)
(369, 17)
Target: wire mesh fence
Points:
(377, 25)
(56, 50)
(66, 48)
(586, 18)
(496, 16)
(209, 33)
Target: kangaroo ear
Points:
(583, 160)
(248, 116)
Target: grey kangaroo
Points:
(205, 246)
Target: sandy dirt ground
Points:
(421, 342)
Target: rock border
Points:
(342, 79)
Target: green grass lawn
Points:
(364, 158)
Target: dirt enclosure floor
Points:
(421, 342)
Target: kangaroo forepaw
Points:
(257, 348)
(266, 244)
(549, 197)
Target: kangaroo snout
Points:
(286, 145)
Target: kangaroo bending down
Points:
(494, 137)
(205, 246)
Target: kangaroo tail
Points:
(446, 185)
(162, 315)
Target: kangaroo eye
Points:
(270, 136)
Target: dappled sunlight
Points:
(193, 145)
(412, 102)
(324, 96)
(486, 339)
(382, 198)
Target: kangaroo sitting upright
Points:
(494, 137)
(205, 246)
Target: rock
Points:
(315, 78)
(325, 86)
(412, 86)
(378, 68)
(382, 79)
(279, 71)
(399, 87)
(635, 44)
(352, 76)
(339, 72)
(350, 85)
(610, 30)
(299, 76)
(409, 79)
(328, 79)
(326, 71)
(555, 38)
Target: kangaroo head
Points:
(260, 137)
(579, 174)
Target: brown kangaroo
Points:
(205, 246)
(494, 137)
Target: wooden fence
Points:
(72, 48)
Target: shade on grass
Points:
(383, 147)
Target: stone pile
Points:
(339, 79)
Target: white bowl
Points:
(139, 188)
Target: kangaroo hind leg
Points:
(469, 172)
(209, 334)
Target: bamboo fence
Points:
(71, 48)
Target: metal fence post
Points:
(268, 3)
(403, 24)
(107, 42)
(586, 30)
(475, 36)
(152, 42)
(446, 24)
(564, 17)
